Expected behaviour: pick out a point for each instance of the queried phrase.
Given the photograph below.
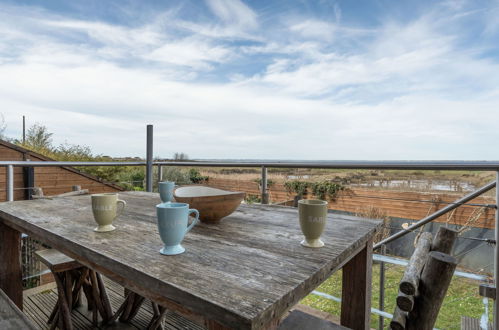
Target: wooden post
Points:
(405, 302)
(444, 240)
(410, 280)
(10, 264)
(435, 280)
(356, 290)
(399, 319)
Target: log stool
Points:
(131, 306)
(71, 278)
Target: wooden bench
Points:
(11, 318)
(71, 278)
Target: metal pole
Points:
(10, 183)
(437, 214)
(149, 159)
(160, 173)
(265, 195)
(496, 256)
(24, 129)
(381, 324)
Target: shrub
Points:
(297, 186)
(326, 189)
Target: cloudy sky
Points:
(277, 79)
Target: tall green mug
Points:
(105, 209)
(313, 215)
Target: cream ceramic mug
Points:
(105, 209)
(313, 215)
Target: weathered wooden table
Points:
(243, 273)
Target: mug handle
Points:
(196, 220)
(123, 204)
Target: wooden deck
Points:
(39, 302)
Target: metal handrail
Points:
(340, 164)
(439, 213)
(346, 164)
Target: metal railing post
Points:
(264, 193)
(496, 256)
(149, 159)
(381, 324)
(160, 173)
(10, 183)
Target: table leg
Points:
(356, 291)
(10, 264)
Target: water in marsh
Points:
(419, 184)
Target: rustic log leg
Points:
(157, 321)
(78, 286)
(68, 283)
(105, 299)
(95, 294)
(117, 314)
(64, 311)
(88, 294)
(55, 320)
(130, 299)
(10, 264)
(136, 307)
(356, 292)
(53, 314)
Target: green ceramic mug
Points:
(105, 209)
(313, 215)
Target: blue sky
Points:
(257, 79)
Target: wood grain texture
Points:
(435, 281)
(243, 272)
(356, 291)
(299, 320)
(10, 264)
(11, 318)
(410, 281)
(405, 302)
(56, 261)
(444, 240)
(399, 319)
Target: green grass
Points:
(462, 298)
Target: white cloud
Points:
(400, 90)
(234, 12)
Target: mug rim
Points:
(104, 194)
(312, 202)
(174, 205)
(166, 182)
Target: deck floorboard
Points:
(39, 304)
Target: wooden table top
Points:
(243, 272)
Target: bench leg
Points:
(356, 291)
(10, 264)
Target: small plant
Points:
(251, 199)
(175, 174)
(270, 183)
(196, 177)
(297, 186)
(326, 189)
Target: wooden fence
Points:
(400, 204)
